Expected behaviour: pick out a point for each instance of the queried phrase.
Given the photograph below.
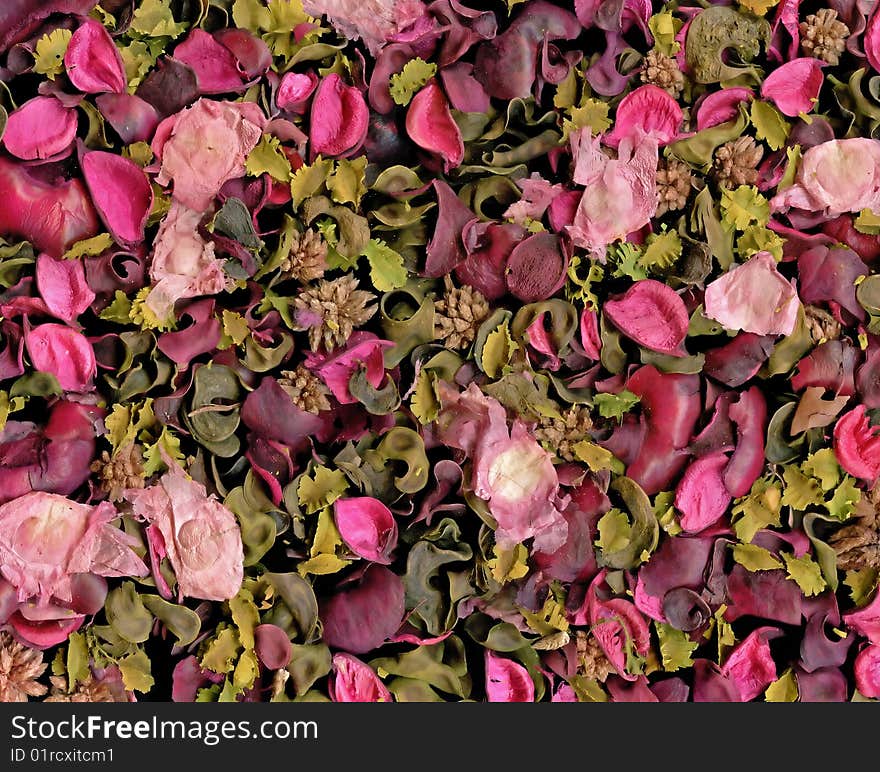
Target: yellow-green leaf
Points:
(92, 246)
(387, 271)
(759, 509)
(221, 653)
(309, 179)
(245, 615)
(267, 157)
(596, 457)
(153, 458)
(783, 689)
(593, 113)
(235, 327)
(136, 672)
(800, 491)
(867, 222)
(321, 489)
(743, 207)
(665, 27)
(509, 565)
(324, 559)
(805, 572)
(846, 496)
(823, 465)
(758, 7)
(769, 124)
(250, 15)
(497, 350)
(755, 558)
(615, 531)
(414, 75)
(347, 182)
(153, 18)
(425, 402)
(861, 583)
(49, 53)
(676, 647)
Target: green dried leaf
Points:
(268, 158)
(127, 615)
(309, 179)
(119, 310)
(783, 689)
(245, 615)
(805, 572)
(425, 402)
(645, 530)
(846, 496)
(222, 652)
(755, 558)
(497, 351)
(676, 648)
(183, 622)
(77, 663)
(614, 531)
(387, 271)
(715, 30)
(615, 405)
(136, 672)
(347, 183)
(743, 207)
(759, 509)
(861, 583)
(153, 18)
(152, 455)
(321, 489)
(596, 457)
(92, 246)
(801, 491)
(49, 52)
(769, 124)
(325, 544)
(414, 75)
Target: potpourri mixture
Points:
(389, 350)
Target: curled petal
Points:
(64, 352)
(63, 287)
(507, 681)
(41, 128)
(857, 445)
(652, 314)
(121, 192)
(367, 526)
(794, 86)
(647, 111)
(701, 496)
(339, 118)
(355, 681)
(430, 125)
(93, 62)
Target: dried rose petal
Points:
(857, 445)
(753, 297)
(794, 86)
(121, 192)
(339, 118)
(272, 646)
(536, 268)
(701, 495)
(429, 124)
(367, 526)
(63, 352)
(41, 128)
(133, 119)
(721, 106)
(355, 681)
(647, 111)
(214, 65)
(93, 62)
(62, 285)
(507, 681)
(652, 314)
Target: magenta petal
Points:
(295, 88)
(251, 53)
(750, 665)
(794, 86)
(430, 125)
(362, 349)
(62, 285)
(701, 496)
(866, 620)
(590, 339)
(200, 337)
(361, 617)
(464, 90)
(857, 445)
(214, 65)
(133, 119)
(339, 118)
(871, 42)
(93, 62)
(355, 681)
(122, 194)
(647, 110)
(43, 634)
(721, 106)
(272, 646)
(367, 527)
(50, 216)
(749, 413)
(867, 671)
(64, 352)
(507, 681)
(41, 128)
(652, 314)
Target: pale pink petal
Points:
(373, 21)
(753, 297)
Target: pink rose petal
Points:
(367, 526)
(62, 285)
(355, 681)
(295, 88)
(93, 62)
(652, 314)
(701, 496)
(867, 671)
(794, 86)
(750, 665)
(430, 125)
(857, 445)
(133, 119)
(121, 192)
(41, 128)
(63, 352)
(721, 106)
(647, 111)
(507, 681)
(753, 297)
(339, 118)
(214, 65)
